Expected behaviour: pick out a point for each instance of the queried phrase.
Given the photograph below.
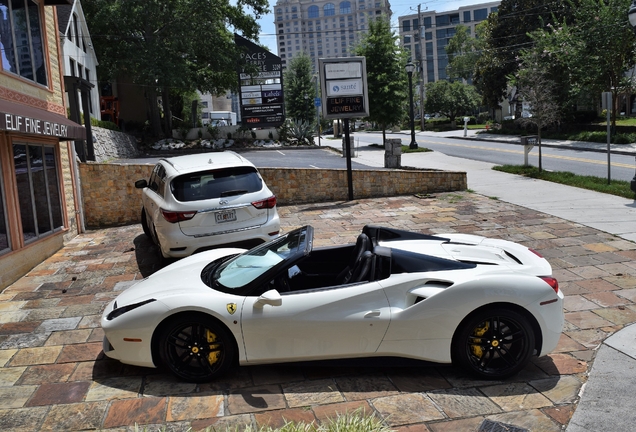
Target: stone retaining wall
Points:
(110, 144)
(110, 197)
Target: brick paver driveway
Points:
(54, 376)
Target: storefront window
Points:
(38, 190)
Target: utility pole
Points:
(422, 63)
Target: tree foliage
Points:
(505, 33)
(538, 90)
(596, 50)
(463, 52)
(386, 76)
(300, 90)
(451, 99)
(165, 44)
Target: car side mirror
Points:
(271, 297)
(140, 184)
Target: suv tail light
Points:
(174, 217)
(552, 282)
(266, 203)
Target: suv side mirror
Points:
(140, 184)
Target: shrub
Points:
(302, 131)
(213, 131)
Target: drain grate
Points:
(493, 426)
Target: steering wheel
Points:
(282, 284)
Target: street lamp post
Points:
(632, 20)
(410, 67)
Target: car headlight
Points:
(122, 310)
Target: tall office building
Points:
(322, 28)
(436, 30)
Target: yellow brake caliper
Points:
(215, 352)
(479, 332)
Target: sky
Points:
(398, 7)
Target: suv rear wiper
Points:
(233, 192)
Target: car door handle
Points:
(372, 314)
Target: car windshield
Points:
(248, 266)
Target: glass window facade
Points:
(22, 43)
(480, 14)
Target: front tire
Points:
(494, 343)
(196, 348)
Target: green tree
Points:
(451, 99)
(463, 52)
(595, 50)
(386, 76)
(300, 90)
(537, 88)
(505, 34)
(167, 44)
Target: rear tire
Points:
(494, 343)
(196, 348)
(144, 223)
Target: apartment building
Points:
(323, 28)
(425, 35)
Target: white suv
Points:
(199, 201)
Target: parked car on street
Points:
(199, 201)
(487, 305)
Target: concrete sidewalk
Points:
(607, 399)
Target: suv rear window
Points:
(205, 185)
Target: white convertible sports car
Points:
(486, 305)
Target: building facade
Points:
(39, 196)
(425, 36)
(323, 28)
(79, 59)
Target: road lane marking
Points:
(280, 152)
(544, 155)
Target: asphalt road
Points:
(276, 157)
(579, 162)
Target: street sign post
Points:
(345, 95)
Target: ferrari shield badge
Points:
(231, 308)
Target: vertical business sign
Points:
(260, 86)
(344, 87)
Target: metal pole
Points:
(317, 108)
(609, 109)
(422, 64)
(348, 151)
(413, 144)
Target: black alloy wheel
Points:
(494, 343)
(195, 348)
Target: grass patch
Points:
(599, 184)
(350, 422)
(405, 148)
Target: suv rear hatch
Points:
(224, 200)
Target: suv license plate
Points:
(225, 216)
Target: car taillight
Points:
(266, 203)
(552, 282)
(174, 217)
(535, 252)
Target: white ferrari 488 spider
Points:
(486, 305)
